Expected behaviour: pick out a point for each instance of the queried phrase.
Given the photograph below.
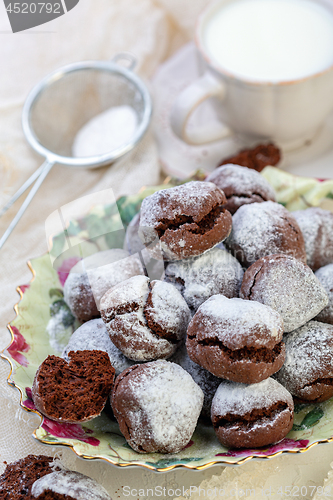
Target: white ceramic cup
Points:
(287, 112)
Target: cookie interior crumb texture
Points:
(75, 391)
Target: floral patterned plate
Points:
(44, 324)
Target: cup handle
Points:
(187, 101)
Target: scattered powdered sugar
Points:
(240, 399)
(289, 287)
(238, 180)
(93, 335)
(197, 279)
(195, 198)
(106, 132)
(317, 227)
(325, 276)
(72, 484)
(256, 230)
(238, 323)
(309, 356)
(169, 403)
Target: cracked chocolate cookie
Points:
(197, 279)
(90, 278)
(157, 406)
(308, 370)
(145, 319)
(252, 416)
(93, 336)
(317, 227)
(241, 185)
(325, 276)
(261, 229)
(184, 221)
(76, 391)
(288, 286)
(236, 340)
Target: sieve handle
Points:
(43, 171)
(22, 190)
(127, 57)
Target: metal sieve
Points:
(63, 102)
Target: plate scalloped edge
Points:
(128, 464)
(149, 466)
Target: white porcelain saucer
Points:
(314, 159)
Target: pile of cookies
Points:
(238, 325)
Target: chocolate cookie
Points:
(19, 476)
(317, 227)
(76, 391)
(241, 185)
(184, 221)
(39, 477)
(325, 276)
(252, 416)
(261, 229)
(207, 382)
(93, 336)
(68, 485)
(90, 278)
(308, 370)
(145, 319)
(286, 285)
(198, 278)
(236, 339)
(157, 406)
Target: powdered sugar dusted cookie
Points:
(261, 229)
(241, 185)
(93, 335)
(146, 319)
(68, 485)
(90, 278)
(185, 220)
(197, 279)
(236, 339)
(325, 276)
(288, 286)
(157, 406)
(76, 391)
(308, 370)
(207, 382)
(246, 416)
(317, 227)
